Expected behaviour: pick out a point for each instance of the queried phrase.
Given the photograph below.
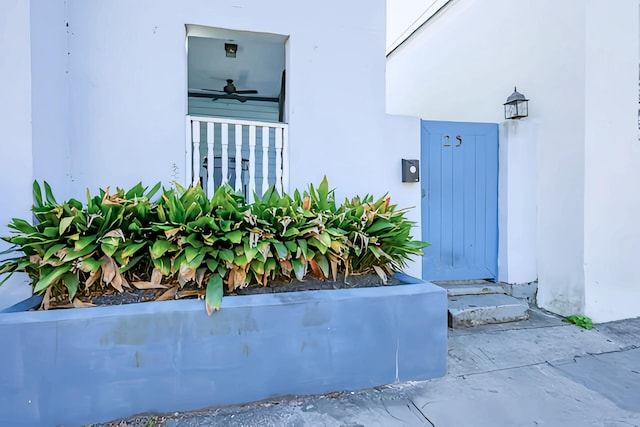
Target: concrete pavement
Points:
(541, 371)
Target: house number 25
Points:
(447, 138)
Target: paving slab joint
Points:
(417, 410)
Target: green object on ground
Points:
(582, 321)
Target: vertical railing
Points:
(252, 160)
(248, 155)
(238, 133)
(265, 159)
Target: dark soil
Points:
(314, 284)
(127, 297)
(190, 291)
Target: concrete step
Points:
(475, 288)
(473, 310)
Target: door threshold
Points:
(462, 282)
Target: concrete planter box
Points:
(72, 367)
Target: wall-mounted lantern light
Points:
(517, 106)
(230, 49)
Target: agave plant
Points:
(127, 239)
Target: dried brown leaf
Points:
(115, 233)
(170, 233)
(231, 281)
(117, 282)
(46, 299)
(67, 305)
(168, 294)
(190, 293)
(156, 276)
(62, 253)
(241, 278)
(109, 269)
(187, 273)
(200, 275)
(286, 267)
(92, 278)
(381, 273)
(148, 285)
(106, 200)
(334, 269)
(81, 304)
(388, 269)
(315, 268)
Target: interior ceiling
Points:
(258, 64)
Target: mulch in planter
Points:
(191, 290)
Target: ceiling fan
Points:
(230, 92)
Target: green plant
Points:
(127, 239)
(71, 244)
(582, 321)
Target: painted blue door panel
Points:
(460, 200)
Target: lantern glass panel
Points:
(523, 109)
(510, 110)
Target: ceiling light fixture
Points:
(231, 49)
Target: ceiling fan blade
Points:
(212, 90)
(246, 91)
(229, 96)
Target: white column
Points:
(195, 143)
(188, 153)
(517, 201)
(285, 159)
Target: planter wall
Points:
(72, 367)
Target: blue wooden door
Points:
(459, 200)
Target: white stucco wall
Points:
(402, 138)
(577, 151)
(404, 16)
(15, 130)
(612, 162)
(50, 94)
(110, 89)
(127, 88)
